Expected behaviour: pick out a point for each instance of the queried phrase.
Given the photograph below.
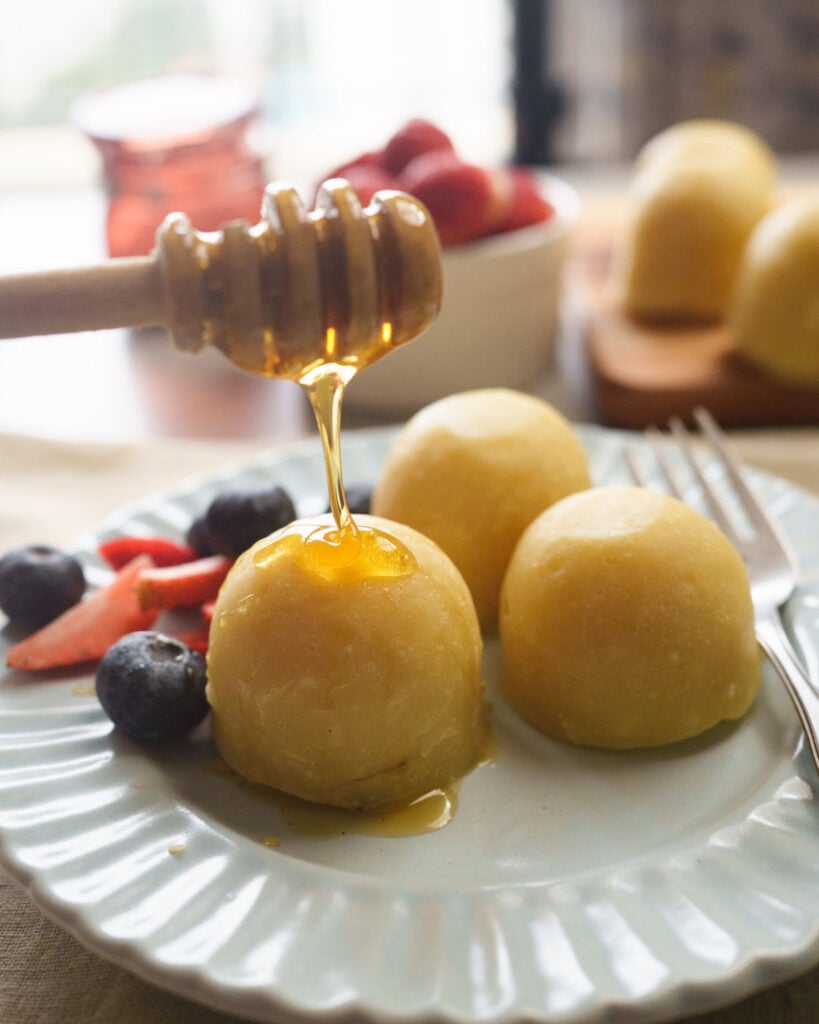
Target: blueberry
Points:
(359, 498)
(38, 583)
(237, 519)
(152, 686)
(197, 536)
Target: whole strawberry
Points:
(367, 179)
(525, 204)
(465, 201)
(416, 138)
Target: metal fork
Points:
(771, 563)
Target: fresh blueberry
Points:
(197, 536)
(237, 519)
(152, 686)
(359, 498)
(38, 583)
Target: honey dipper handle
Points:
(121, 293)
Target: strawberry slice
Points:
(87, 630)
(175, 586)
(196, 639)
(207, 609)
(119, 551)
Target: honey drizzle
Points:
(396, 235)
(325, 386)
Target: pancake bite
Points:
(626, 621)
(775, 309)
(346, 671)
(471, 471)
(698, 190)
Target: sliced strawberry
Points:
(207, 610)
(414, 139)
(196, 639)
(86, 631)
(526, 204)
(176, 586)
(119, 551)
(466, 201)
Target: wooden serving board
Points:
(642, 374)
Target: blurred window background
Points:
(331, 76)
(625, 69)
(336, 76)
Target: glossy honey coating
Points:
(339, 284)
(346, 669)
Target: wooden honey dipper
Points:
(340, 284)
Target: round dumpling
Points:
(698, 191)
(471, 471)
(775, 311)
(626, 621)
(355, 683)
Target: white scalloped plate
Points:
(572, 885)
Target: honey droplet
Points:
(337, 556)
(427, 813)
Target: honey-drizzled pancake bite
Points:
(471, 471)
(698, 190)
(344, 671)
(626, 621)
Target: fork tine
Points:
(708, 425)
(636, 467)
(657, 445)
(719, 508)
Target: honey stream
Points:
(345, 552)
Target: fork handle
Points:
(774, 642)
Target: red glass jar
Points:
(186, 143)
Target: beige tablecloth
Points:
(52, 492)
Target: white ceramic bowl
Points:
(497, 322)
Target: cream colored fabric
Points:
(52, 492)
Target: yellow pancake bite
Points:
(775, 311)
(626, 621)
(698, 190)
(346, 675)
(471, 471)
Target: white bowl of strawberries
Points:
(504, 234)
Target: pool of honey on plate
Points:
(427, 813)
